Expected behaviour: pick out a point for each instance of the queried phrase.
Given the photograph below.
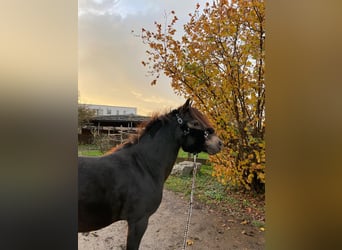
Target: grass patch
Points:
(258, 223)
(178, 184)
(202, 155)
(208, 191)
(89, 150)
(90, 153)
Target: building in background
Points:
(104, 110)
(115, 123)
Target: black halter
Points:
(187, 130)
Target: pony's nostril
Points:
(220, 143)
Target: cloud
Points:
(136, 94)
(110, 69)
(122, 8)
(97, 7)
(152, 99)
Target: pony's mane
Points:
(158, 120)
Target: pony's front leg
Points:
(136, 230)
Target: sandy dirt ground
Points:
(208, 230)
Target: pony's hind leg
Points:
(136, 230)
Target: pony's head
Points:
(197, 132)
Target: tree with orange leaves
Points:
(219, 62)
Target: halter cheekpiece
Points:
(187, 130)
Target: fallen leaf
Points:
(244, 222)
(189, 242)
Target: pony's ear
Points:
(186, 106)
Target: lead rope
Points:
(190, 205)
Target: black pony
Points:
(127, 183)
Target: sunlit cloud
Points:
(97, 7)
(136, 94)
(116, 7)
(110, 69)
(152, 99)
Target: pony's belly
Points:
(93, 217)
(92, 223)
(84, 227)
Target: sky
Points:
(110, 69)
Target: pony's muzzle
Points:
(213, 145)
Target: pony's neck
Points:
(158, 153)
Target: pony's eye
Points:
(196, 124)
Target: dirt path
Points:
(208, 230)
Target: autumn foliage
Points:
(219, 62)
